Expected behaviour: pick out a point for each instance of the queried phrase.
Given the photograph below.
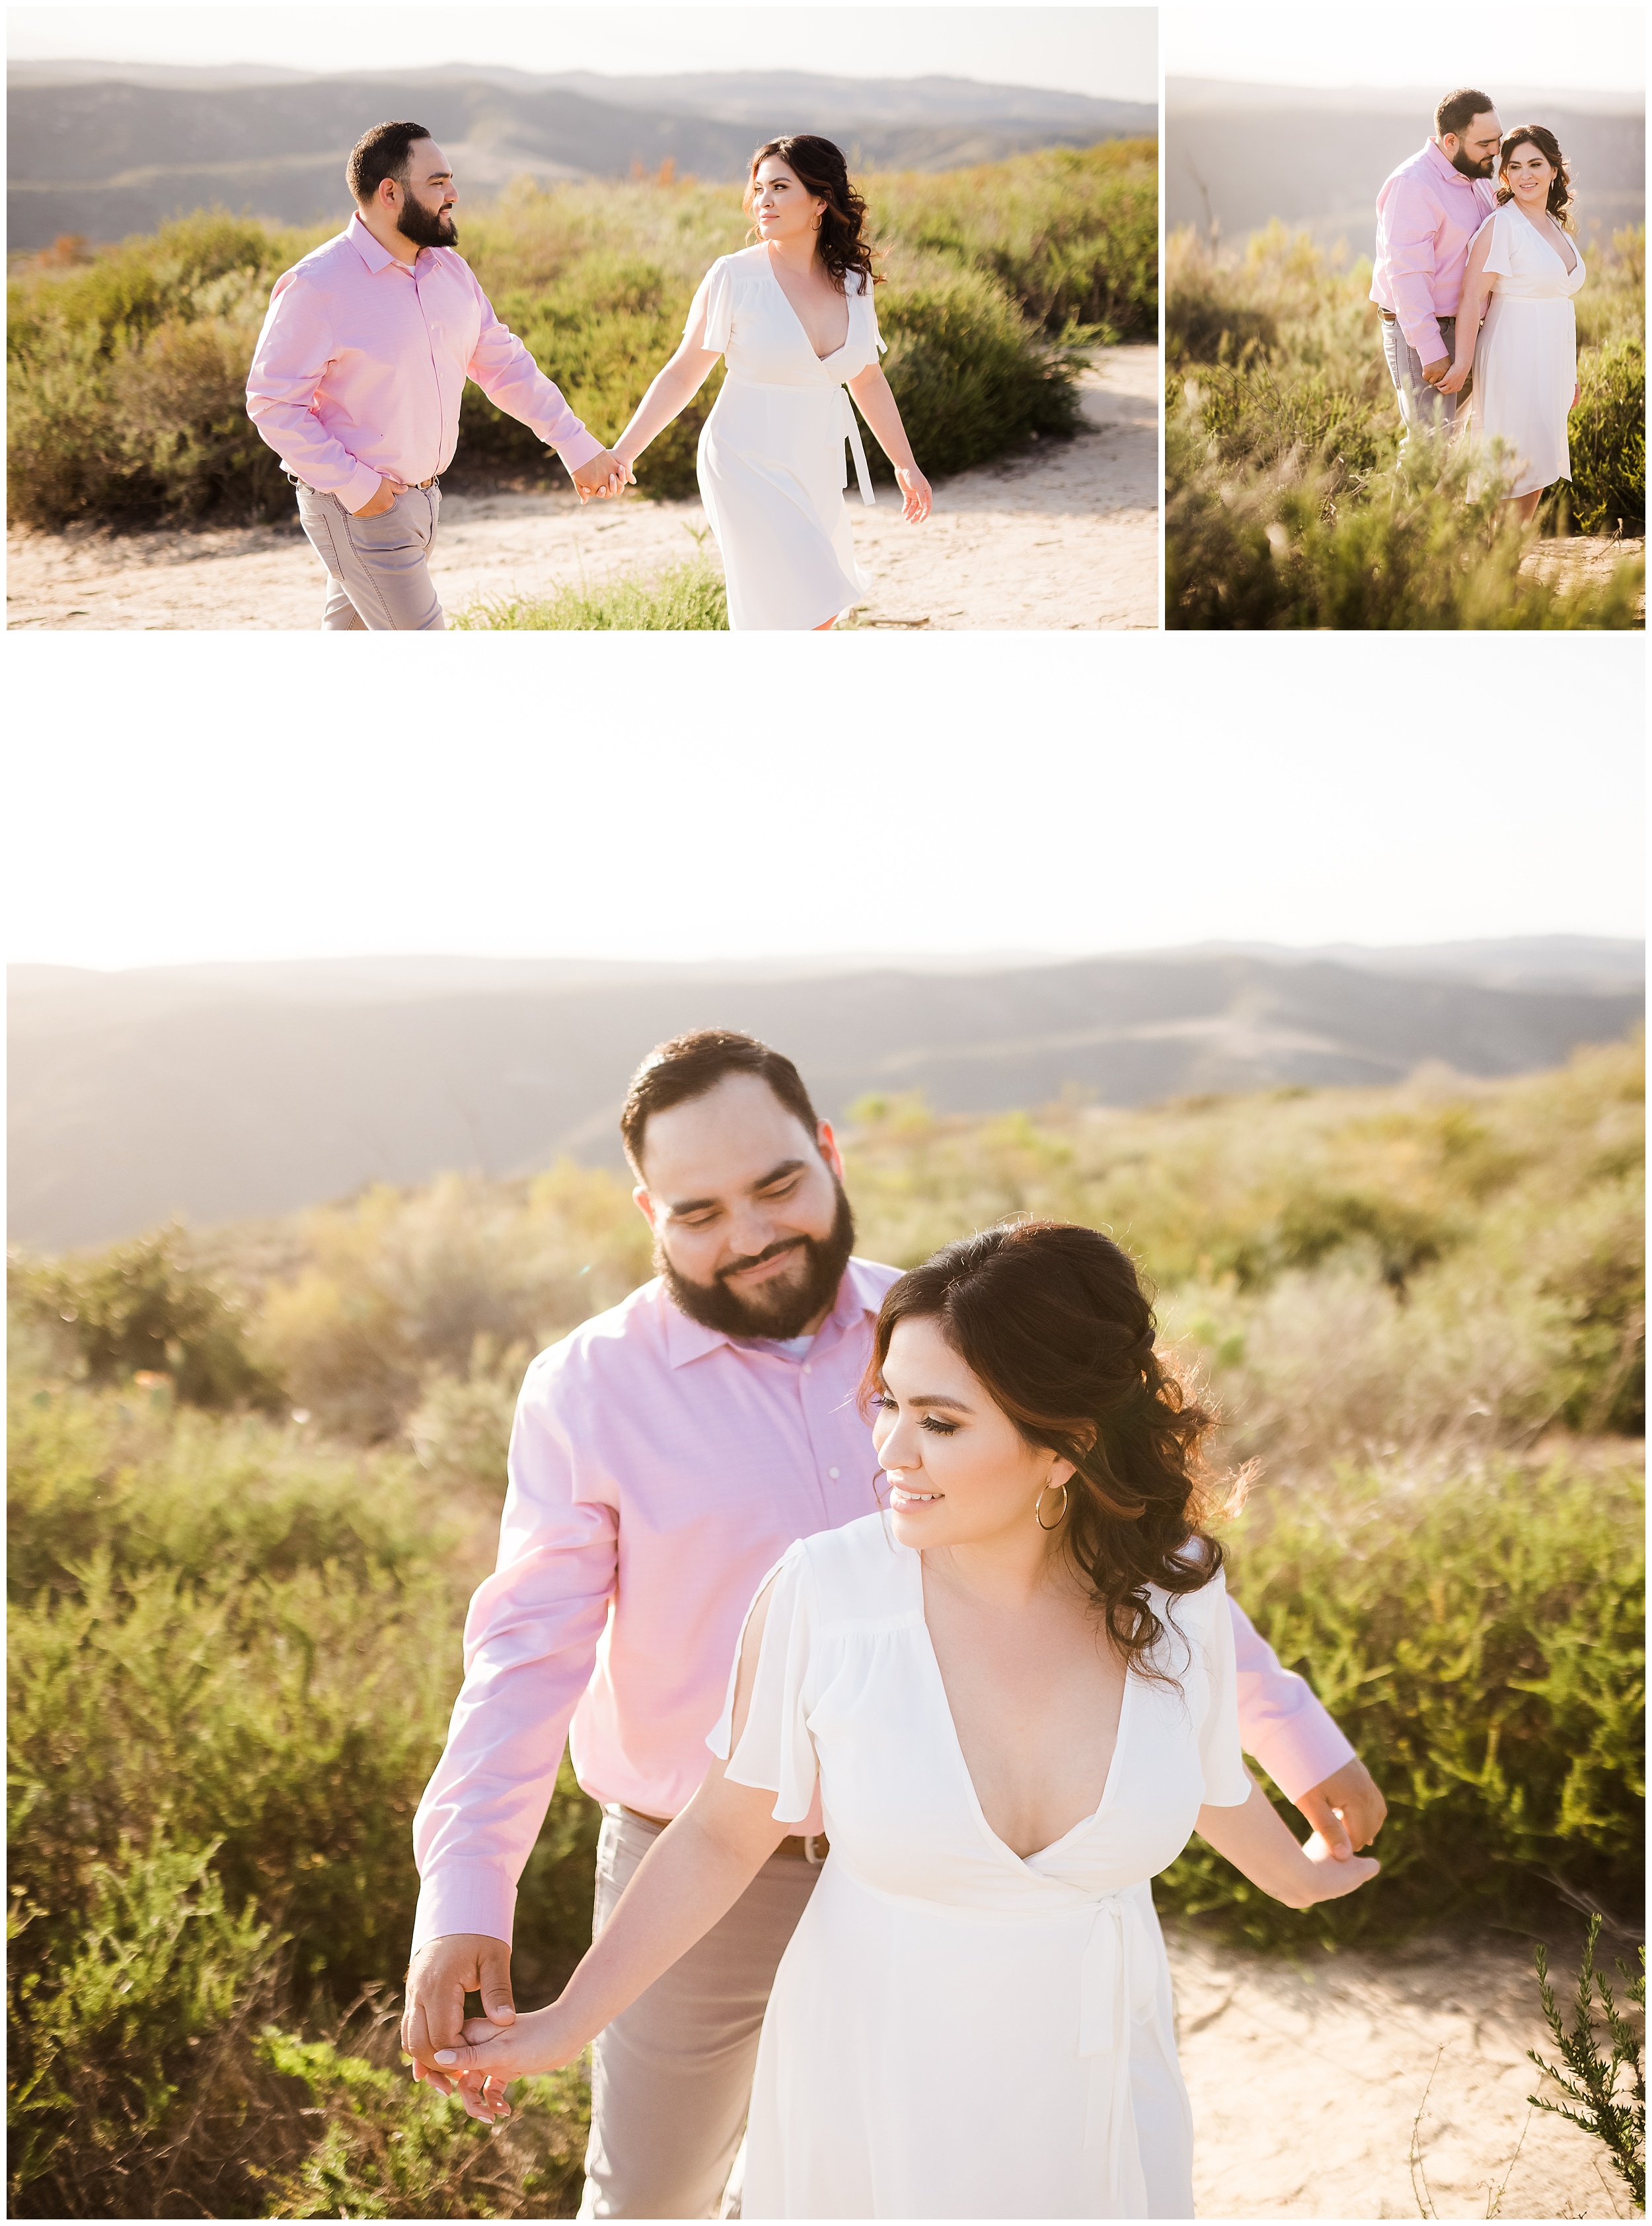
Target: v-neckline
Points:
(768, 265)
(1021, 1862)
(1547, 241)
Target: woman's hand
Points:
(1256, 1840)
(490, 2055)
(1452, 382)
(915, 489)
(1327, 1877)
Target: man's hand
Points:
(388, 491)
(438, 1979)
(1346, 1810)
(605, 474)
(1433, 373)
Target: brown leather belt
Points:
(811, 1847)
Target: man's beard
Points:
(771, 1310)
(1471, 170)
(423, 227)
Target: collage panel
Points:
(437, 335)
(1404, 320)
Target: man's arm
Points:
(530, 1641)
(288, 364)
(1285, 1727)
(1412, 223)
(508, 375)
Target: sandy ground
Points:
(1307, 2083)
(1067, 537)
(1589, 558)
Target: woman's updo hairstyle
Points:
(1559, 192)
(1052, 1319)
(820, 169)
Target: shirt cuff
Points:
(465, 1897)
(580, 450)
(1298, 1753)
(360, 488)
(1429, 342)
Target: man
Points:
(1428, 213)
(358, 375)
(663, 1458)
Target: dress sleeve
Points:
(776, 1752)
(870, 312)
(1500, 249)
(711, 313)
(1227, 1785)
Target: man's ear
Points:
(644, 1202)
(826, 1144)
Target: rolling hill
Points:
(105, 155)
(1238, 155)
(226, 1092)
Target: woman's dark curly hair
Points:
(1052, 1319)
(1559, 192)
(820, 169)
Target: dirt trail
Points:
(1307, 2083)
(1067, 537)
(1584, 560)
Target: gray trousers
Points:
(671, 2076)
(1420, 404)
(377, 569)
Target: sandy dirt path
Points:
(1067, 537)
(1307, 2082)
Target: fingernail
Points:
(446, 2056)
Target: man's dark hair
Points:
(1459, 109)
(689, 1065)
(381, 154)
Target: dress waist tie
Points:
(1118, 1983)
(852, 433)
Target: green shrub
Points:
(1607, 438)
(688, 598)
(1483, 1647)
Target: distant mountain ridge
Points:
(1238, 155)
(226, 1093)
(83, 148)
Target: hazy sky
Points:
(1109, 51)
(1598, 49)
(1052, 792)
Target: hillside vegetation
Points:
(1283, 505)
(256, 1471)
(126, 368)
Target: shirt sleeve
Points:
(508, 375)
(1280, 1722)
(531, 1640)
(776, 1752)
(1413, 223)
(1227, 1785)
(288, 365)
(710, 321)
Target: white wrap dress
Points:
(956, 2031)
(772, 461)
(1526, 364)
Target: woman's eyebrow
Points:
(940, 1399)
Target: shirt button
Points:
(831, 1472)
(809, 1368)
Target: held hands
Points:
(1433, 373)
(916, 490)
(605, 474)
(388, 491)
(1345, 1810)
(1453, 381)
(438, 1979)
(490, 2055)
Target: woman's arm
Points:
(1256, 1840)
(671, 392)
(693, 1874)
(1479, 287)
(881, 411)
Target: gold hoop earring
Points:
(1038, 1502)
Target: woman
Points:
(1015, 1691)
(1526, 264)
(793, 319)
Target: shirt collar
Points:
(1443, 163)
(858, 1294)
(372, 252)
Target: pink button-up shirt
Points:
(363, 359)
(1427, 214)
(658, 1471)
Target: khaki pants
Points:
(671, 2076)
(378, 576)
